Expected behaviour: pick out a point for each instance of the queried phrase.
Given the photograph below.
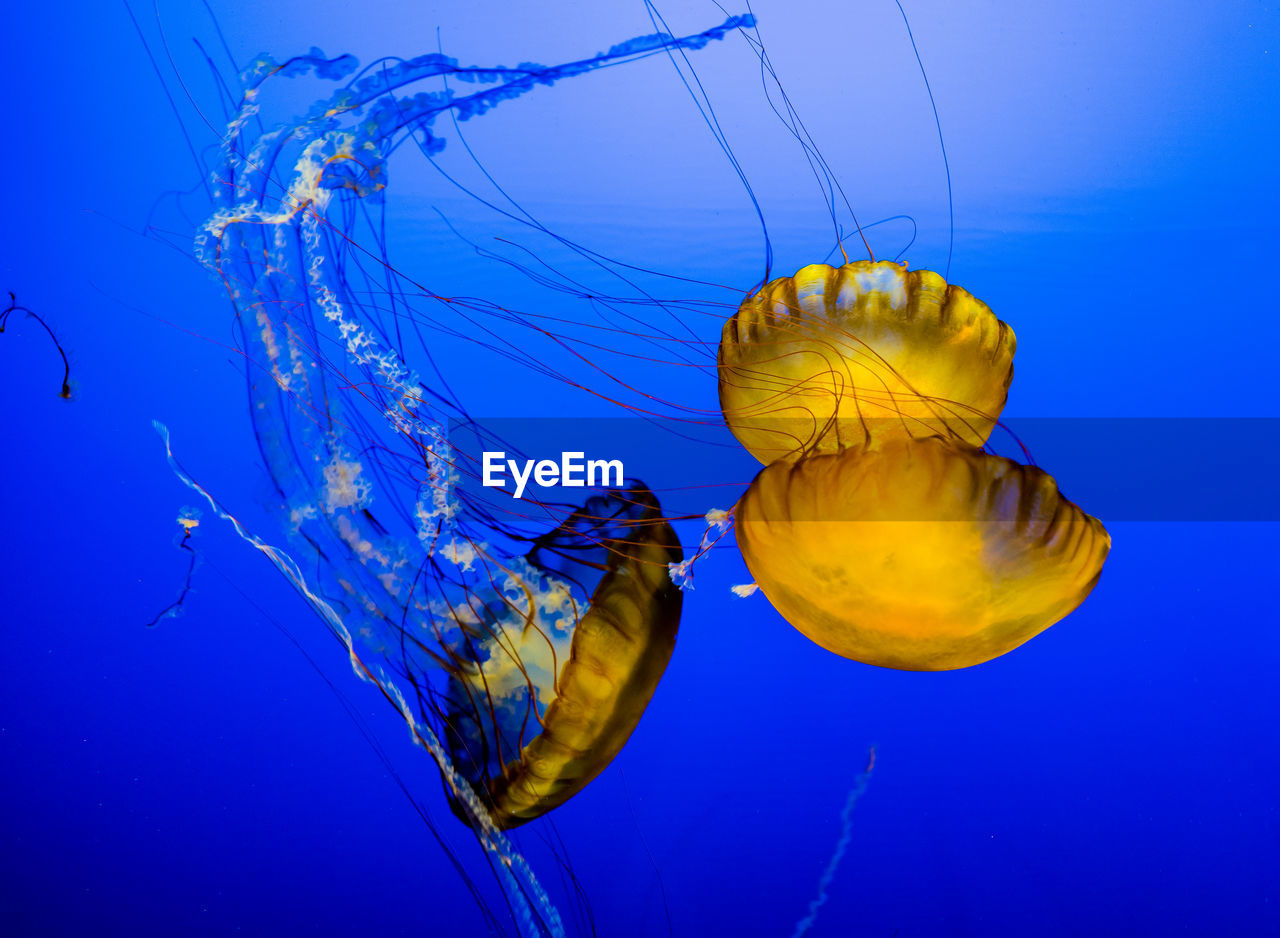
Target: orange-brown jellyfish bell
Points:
(557, 667)
(924, 555)
(835, 356)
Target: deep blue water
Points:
(1115, 201)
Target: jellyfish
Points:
(879, 527)
(548, 679)
(921, 555)
(835, 357)
(520, 642)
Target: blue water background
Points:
(1116, 202)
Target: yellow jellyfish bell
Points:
(592, 670)
(923, 555)
(836, 356)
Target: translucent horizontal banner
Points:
(1117, 469)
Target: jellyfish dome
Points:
(921, 555)
(837, 356)
(548, 679)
